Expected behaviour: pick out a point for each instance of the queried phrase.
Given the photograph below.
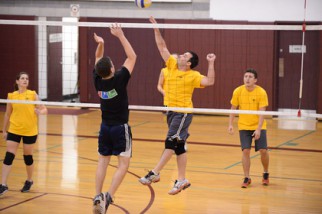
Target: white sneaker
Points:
(178, 186)
(99, 204)
(149, 178)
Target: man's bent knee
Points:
(171, 144)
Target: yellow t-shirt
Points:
(179, 85)
(164, 87)
(249, 100)
(23, 119)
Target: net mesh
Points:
(62, 60)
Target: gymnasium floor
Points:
(66, 157)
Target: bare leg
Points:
(166, 156)
(119, 175)
(182, 164)
(264, 159)
(103, 162)
(11, 147)
(28, 150)
(246, 162)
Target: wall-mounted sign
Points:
(297, 48)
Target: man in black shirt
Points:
(115, 136)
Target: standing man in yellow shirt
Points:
(180, 83)
(20, 123)
(251, 97)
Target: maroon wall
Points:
(319, 95)
(235, 50)
(18, 53)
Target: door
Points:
(289, 70)
(55, 67)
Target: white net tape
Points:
(157, 108)
(167, 26)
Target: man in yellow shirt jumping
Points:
(179, 84)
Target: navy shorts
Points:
(115, 140)
(25, 139)
(178, 124)
(246, 139)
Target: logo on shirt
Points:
(105, 95)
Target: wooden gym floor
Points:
(66, 157)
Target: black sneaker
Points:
(265, 180)
(109, 200)
(26, 187)
(3, 189)
(246, 182)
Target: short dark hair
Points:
(194, 59)
(103, 67)
(253, 71)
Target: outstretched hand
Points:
(211, 57)
(116, 30)
(152, 20)
(98, 39)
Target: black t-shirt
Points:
(113, 96)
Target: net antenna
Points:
(302, 61)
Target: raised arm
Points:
(100, 48)
(129, 63)
(165, 54)
(210, 78)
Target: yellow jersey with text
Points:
(179, 85)
(23, 119)
(249, 100)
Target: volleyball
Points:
(143, 3)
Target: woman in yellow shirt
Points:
(20, 122)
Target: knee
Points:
(28, 159)
(171, 144)
(180, 149)
(246, 151)
(9, 158)
(263, 152)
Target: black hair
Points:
(253, 71)
(194, 59)
(103, 67)
(15, 86)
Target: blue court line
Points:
(282, 144)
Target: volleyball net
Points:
(60, 56)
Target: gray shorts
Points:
(178, 124)
(246, 139)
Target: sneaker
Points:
(99, 204)
(109, 200)
(3, 189)
(26, 187)
(178, 186)
(149, 178)
(265, 180)
(246, 182)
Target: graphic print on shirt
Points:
(105, 95)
